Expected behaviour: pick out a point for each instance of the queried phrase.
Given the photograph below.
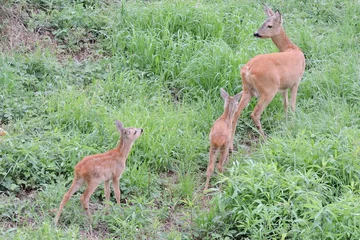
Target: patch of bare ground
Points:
(15, 36)
(100, 230)
(249, 143)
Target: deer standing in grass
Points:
(220, 135)
(2, 132)
(102, 167)
(266, 74)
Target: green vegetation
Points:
(69, 69)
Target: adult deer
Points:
(266, 74)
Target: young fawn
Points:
(220, 135)
(2, 132)
(266, 74)
(102, 167)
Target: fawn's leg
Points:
(210, 168)
(92, 185)
(107, 192)
(285, 99)
(293, 96)
(115, 183)
(224, 153)
(76, 184)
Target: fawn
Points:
(220, 134)
(102, 167)
(266, 74)
(2, 132)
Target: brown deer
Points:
(266, 74)
(102, 167)
(2, 132)
(220, 135)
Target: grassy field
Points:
(69, 69)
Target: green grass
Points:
(159, 65)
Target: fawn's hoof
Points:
(232, 149)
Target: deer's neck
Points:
(227, 114)
(123, 149)
(282, 41)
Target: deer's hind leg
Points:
(90, 189)
(76, 184)
(224, 154)
(263, 102)
(210, 168)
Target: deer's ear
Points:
(268, 11)
(223, 93)
(238, 96)
(278, 16)
(119, 125)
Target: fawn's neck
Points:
(124, 148)
(282, 41)
(227, 115)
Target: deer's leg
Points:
(224, 153)
(115, 183)
(90, 189)
(245, 99)
(107, 192)
(293, 96)
(76, 184)
(263, 102)
(285, 99)
(210, 168)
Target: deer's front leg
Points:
(107, 192)
(116, 189)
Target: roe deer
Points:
(97, 168)
(220, 134)
(2, 132)
(266, 74)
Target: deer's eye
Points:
(269, 26)
(135, 132)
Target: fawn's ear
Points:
(119, 125)
(238, 96)
(223, 93)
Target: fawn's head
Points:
(230, 103)
(128, 134)
(272, 25)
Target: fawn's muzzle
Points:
(256, 34)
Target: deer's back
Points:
(220, 133)
(100, 166)
(280, 70)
